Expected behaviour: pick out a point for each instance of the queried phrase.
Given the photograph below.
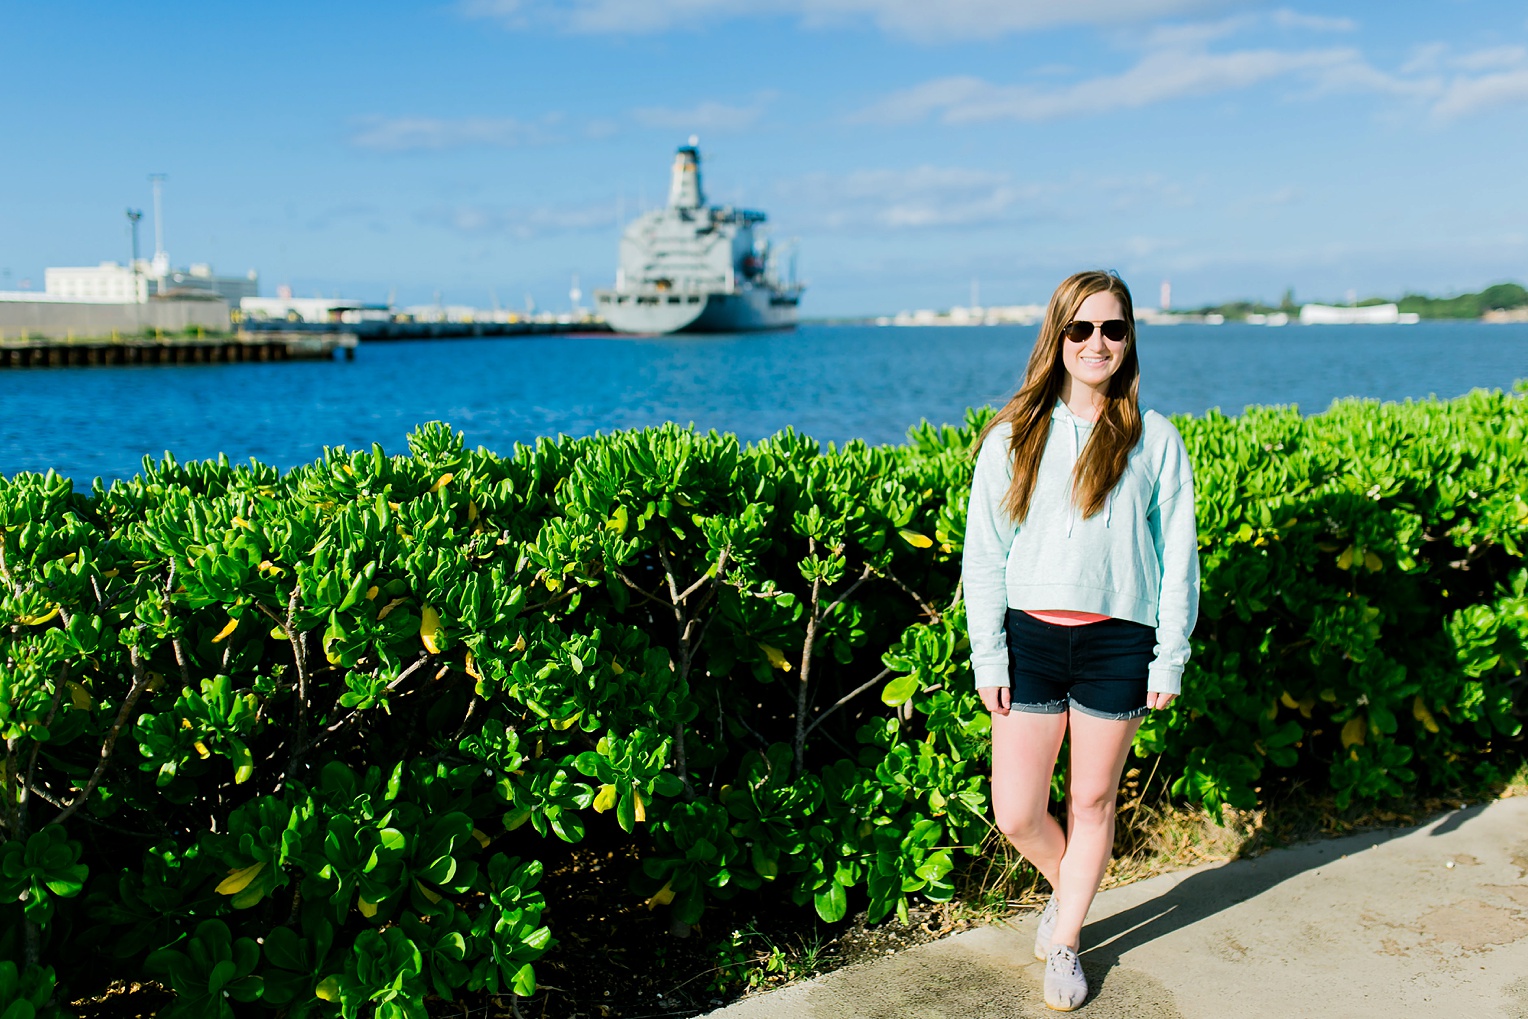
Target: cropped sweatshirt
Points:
(1136, 559)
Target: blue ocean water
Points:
(830, 382)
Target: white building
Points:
(311, 309)
(107, 283)
(1370, 314)
(200, 280)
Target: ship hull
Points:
(755, 309)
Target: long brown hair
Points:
(1118, 427)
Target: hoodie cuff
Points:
(1161, 678)
(990, 674)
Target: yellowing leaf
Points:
(615, 667)
(1353, 732)
(776, 657)
(1421, 714)
(482, 840)
(1288, 701)
(1345, 561)
(915, 539)
(38, 620)
(156, 682)
(442, 481)
(241, 522)
(1372, 562)
(201, 750)
(471, 666)
(79, 696)
(639, 809)
(110, 573)
(390, 606)
(566, 723)
(429, 629)
(472, 512)
(278, 633)
(233, 624)
(604, 799)
(662, 897)
(244, 765)
(238, 880)
(368, 909)
(328, 989)
(372, 592)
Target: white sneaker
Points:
(1047, 929)
(1065, 986)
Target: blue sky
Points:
(484, 148)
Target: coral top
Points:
(1065, 617)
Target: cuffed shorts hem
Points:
(1045, 708)
(1124, 716)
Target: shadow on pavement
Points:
(1209, 892)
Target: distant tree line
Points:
(1500, 296)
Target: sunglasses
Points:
(1114, 329)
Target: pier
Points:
(272, 345)
(377, 329)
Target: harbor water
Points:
(833, 382)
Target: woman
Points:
(1081, 579)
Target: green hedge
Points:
(301, 741)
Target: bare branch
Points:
(646, 596)
(928, 610)
(804, 678)
(721, 567)
(140, 683)
(846, 698)
(424, 658)
(865, 575)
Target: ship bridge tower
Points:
(684, 183)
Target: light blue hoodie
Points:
(1136, 559)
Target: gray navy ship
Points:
(696, 268)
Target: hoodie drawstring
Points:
(1071, 504)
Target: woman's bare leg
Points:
(1099, 748)
(1024, 749)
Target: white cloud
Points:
(916, 19)
(1177, 62)
(412, 134)
(1286, 18)
(1495, 58)
(1158, 77)
(705, 116)
(921, 197)
(521, 223)
(1469, 95)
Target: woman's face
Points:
(1092, 361)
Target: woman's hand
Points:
(1158, 701)
(995, 698)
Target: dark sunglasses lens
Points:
(1078, 331)
(1115, 329)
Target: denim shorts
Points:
(1097, 668)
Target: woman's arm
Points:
(1177, 540)
(984, 562)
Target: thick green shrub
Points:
(301, 741)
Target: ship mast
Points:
(684, 182)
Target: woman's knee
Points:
(1092, 806)
(1018, 822)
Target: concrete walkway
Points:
(1429, 921)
